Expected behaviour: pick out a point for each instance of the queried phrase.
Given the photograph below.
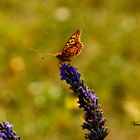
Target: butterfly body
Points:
(72, 48)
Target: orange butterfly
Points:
(72, 48)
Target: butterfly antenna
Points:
(53, 54)
(48, 53)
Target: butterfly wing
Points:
(73, 50)
(73, 39)
(73, 46)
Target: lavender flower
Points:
(6, 132)
(94, 119)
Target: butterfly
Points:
(72, 48)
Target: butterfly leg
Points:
(69, 62)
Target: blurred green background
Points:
(32, 96)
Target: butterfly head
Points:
(62, 58)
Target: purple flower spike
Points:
(94, 119)
(6, 132)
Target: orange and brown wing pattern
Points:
(72, 48)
